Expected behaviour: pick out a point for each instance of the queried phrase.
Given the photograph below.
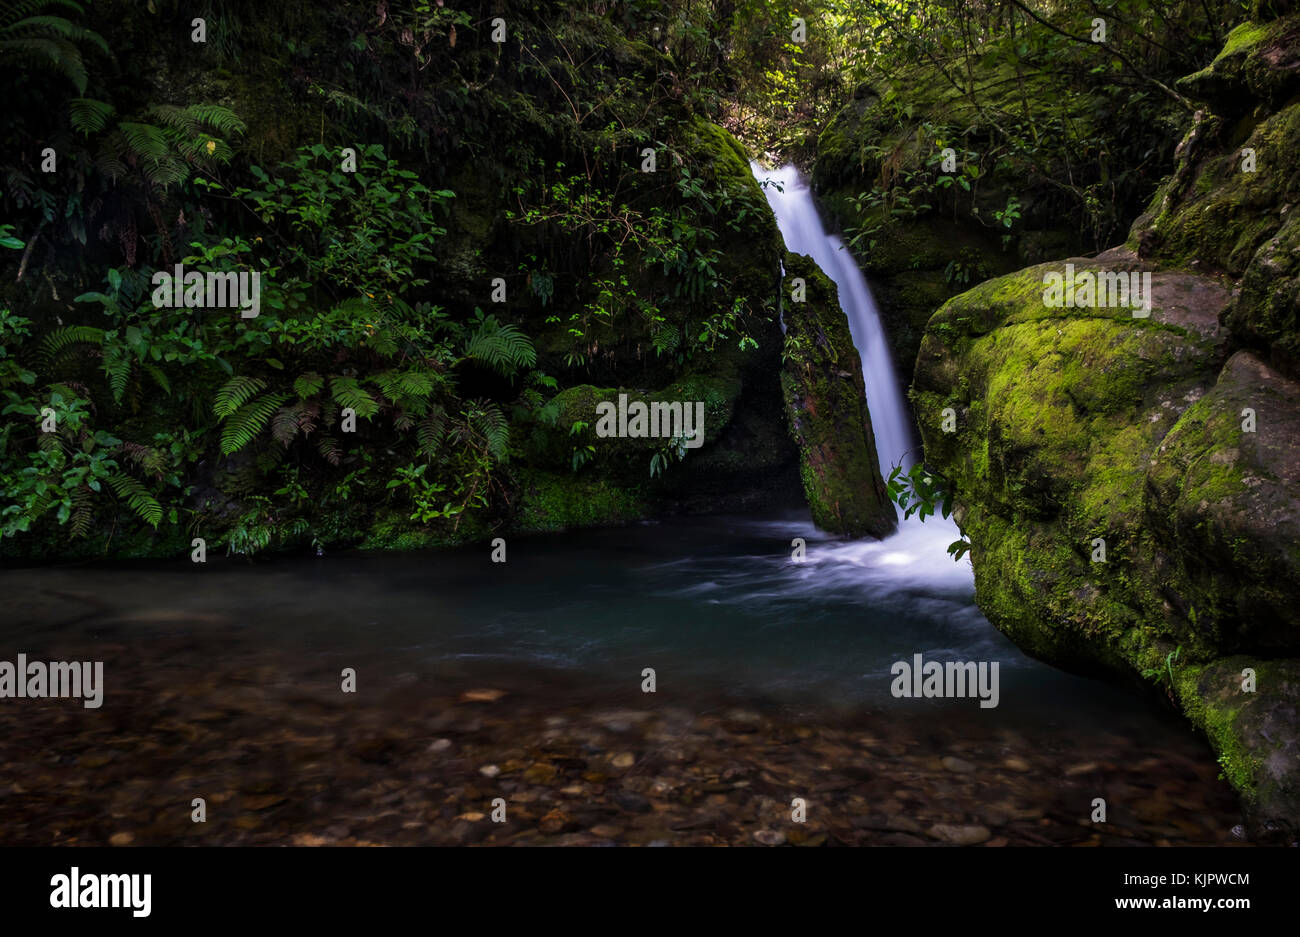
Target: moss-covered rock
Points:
(553, 501)
(1170, 443)
(825, 400)
(1117, 511)
(1229, 204)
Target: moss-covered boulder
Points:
(825, 399)
(1131, 486)
(1125, 516)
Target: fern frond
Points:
(117, 368)
(63, 338)
(308, 385)
(159, 378)
(56, 55)
(284, 425)
(147, 457)
(88, 115)
(248, 421)
(81, 513)
(145, 140)
(431, 430)
(329, 449)
(347, 393)
(235, 393)
(504, 348)
(195, 119)
(490, 423)
(137, 497)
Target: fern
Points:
(504, 348)
(88, 115)
(248, 421)
(117, 366)
(431, 430)
(147, 457)
(329, 449)
(145, 140)
(490, 423)
(415, 383)
(194, 120)
(61, 339)
(284, 425)
(347, 393)
(137, 497)
(44, 41)
(159, 378)
(81, 513)
(235, 393)
(308, 385)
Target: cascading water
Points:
(796, 215)
(804, 233)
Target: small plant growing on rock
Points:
(920, 491)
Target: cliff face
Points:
(1131, 485)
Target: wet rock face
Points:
(826, 407)
(1230, 203)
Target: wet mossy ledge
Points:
(1130, 485)
(826, 405)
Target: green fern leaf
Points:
(431, 430)
(235, 393)
(347, 393)
(246, 422)
(61, 339)
(88, 115)
(308, 385)
(503, 348)
(139, 499)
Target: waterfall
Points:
(916, 544)
(804, 233)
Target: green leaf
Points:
(234, 393)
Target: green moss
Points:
(1241, 39)
(553, 502)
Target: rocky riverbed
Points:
(282, 757)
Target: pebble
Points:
(440, 745)
(481, 696)
(769, 837)
(960, 835)
(957, 765)
(489, 771)
(623, 760)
